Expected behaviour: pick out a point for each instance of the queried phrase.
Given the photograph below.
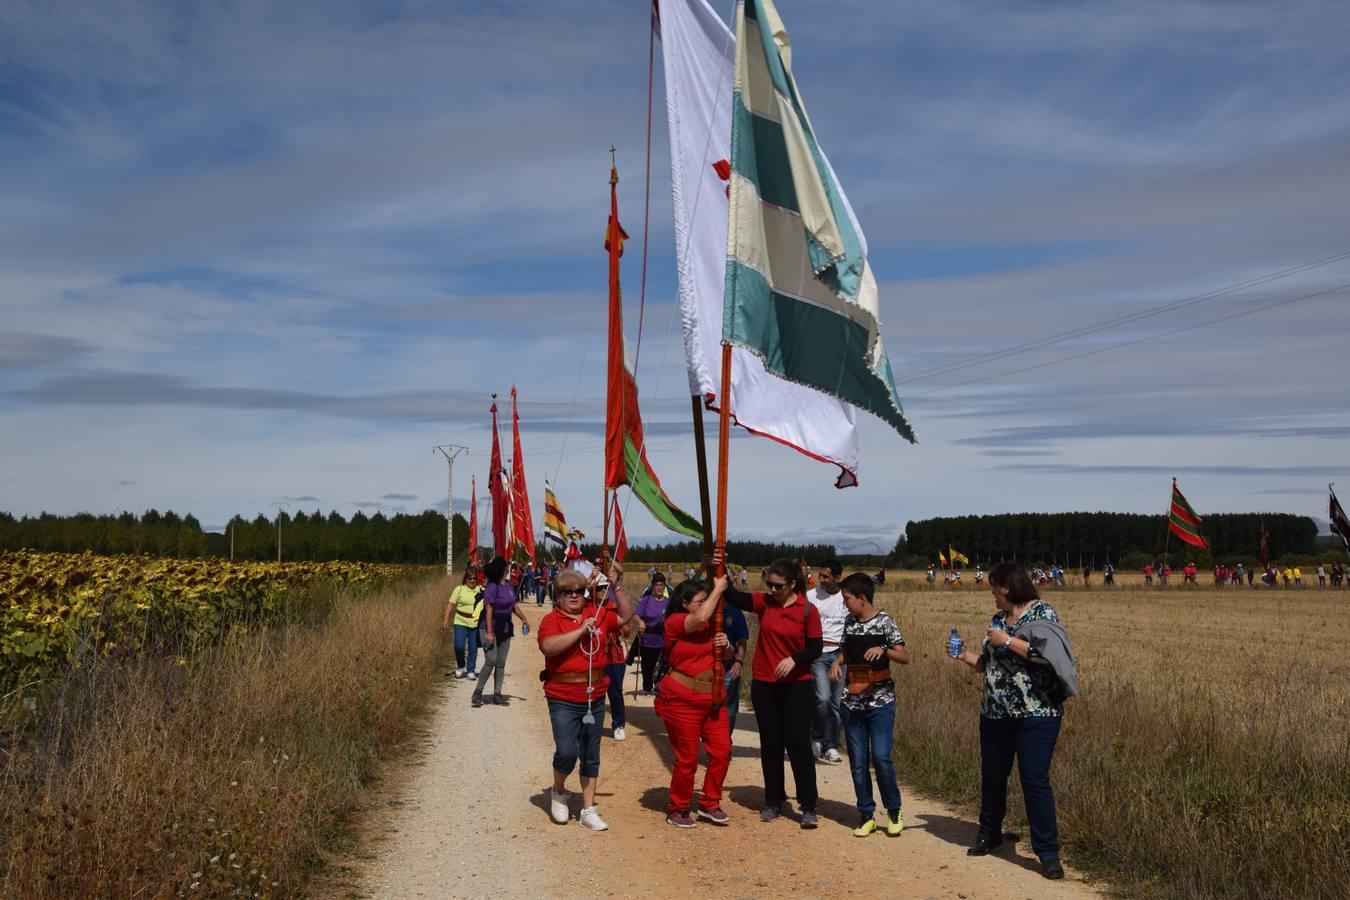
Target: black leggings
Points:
(650, 656)
(784, 711)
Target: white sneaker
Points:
(620, 733)
(557, 806)
(590, 818)
(459, 673)
(832, 755)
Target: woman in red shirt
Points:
(782, 690)
(573, 640)
(685, 702)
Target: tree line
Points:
(401, 538)
(1100, 537)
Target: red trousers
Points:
(689, 718)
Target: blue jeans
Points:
(466, 647)
(871, 736)
(825, 726)
(615, 672)
(573, 739)
(733, 686)
(1032, 741)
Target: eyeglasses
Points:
(572, 592)
(775, 586)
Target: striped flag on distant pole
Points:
(555, 523)
(1183, 521)
(799, 292)
(1340, 525)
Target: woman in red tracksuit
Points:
(686, 705)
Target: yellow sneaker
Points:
(896, 824)
(866, 827)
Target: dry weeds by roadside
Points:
(1208, 754)
(156, 780)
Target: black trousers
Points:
(650, 656)
(1032, 741)
(784, 711)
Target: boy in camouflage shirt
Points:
(872, 641)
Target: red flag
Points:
(520, 496)
(625, 453)
(473, 521)
(620, 537)
(499, 492)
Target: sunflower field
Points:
(57, 607)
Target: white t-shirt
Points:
(833, 613)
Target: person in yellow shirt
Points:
(466, 603)
(1298, 577)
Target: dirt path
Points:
(468, 818)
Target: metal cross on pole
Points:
(450, 451)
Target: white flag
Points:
(699, 53)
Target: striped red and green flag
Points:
(625, 453)
(1183, 521)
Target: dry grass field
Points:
(226, 777)
(1208, 752)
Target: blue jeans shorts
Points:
(573, 739)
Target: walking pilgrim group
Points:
(822, 663)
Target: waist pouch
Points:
(861, 678)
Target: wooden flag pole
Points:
(1167, 530)
(723, 470)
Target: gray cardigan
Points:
(1051, 642)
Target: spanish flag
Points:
(957, 556)
(942, 560)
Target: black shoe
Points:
(476, 702)
(1051, 869)
(983, 846)
(501, 700)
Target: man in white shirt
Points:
(829, 601)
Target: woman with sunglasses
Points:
(685, 704)
(781, 688)
(573, 640)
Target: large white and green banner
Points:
(699, 52)
(799, 292)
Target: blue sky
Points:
(252, 251)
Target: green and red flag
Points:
(1183, 521)
(625, 452)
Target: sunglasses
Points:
(572, 592)
(775, 586)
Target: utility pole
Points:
(450, 451)
(280, 506)
(232, 540)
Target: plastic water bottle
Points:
(955, 645)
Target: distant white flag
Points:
(699, 54)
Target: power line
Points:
(1152, 337)
(1017, 350)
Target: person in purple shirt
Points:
(499, 605)
(651, 615)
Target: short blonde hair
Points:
(569, 578)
